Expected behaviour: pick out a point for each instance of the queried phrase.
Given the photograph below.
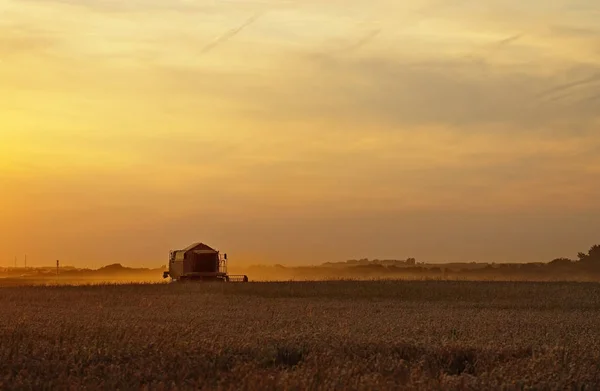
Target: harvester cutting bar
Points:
(238, 278)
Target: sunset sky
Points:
(299, 131)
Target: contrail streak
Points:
(425, 13)
(221, 39)
(493, 48)
(354, 45)
(567, 86)
(592, 98)
(362, 42)
(507, 41)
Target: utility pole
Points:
(57, 263)
(15, 261)
(25, 261)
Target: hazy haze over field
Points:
(297, 130)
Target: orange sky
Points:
(298, 132)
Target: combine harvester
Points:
(200, 262)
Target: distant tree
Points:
(560, 261)
(561, 265)
(593, 255)
(411, 262)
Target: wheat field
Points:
(302, 335)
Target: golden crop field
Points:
(302, 335)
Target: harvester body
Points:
(199, 262)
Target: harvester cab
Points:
(200, 262)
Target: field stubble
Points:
(303, 335)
